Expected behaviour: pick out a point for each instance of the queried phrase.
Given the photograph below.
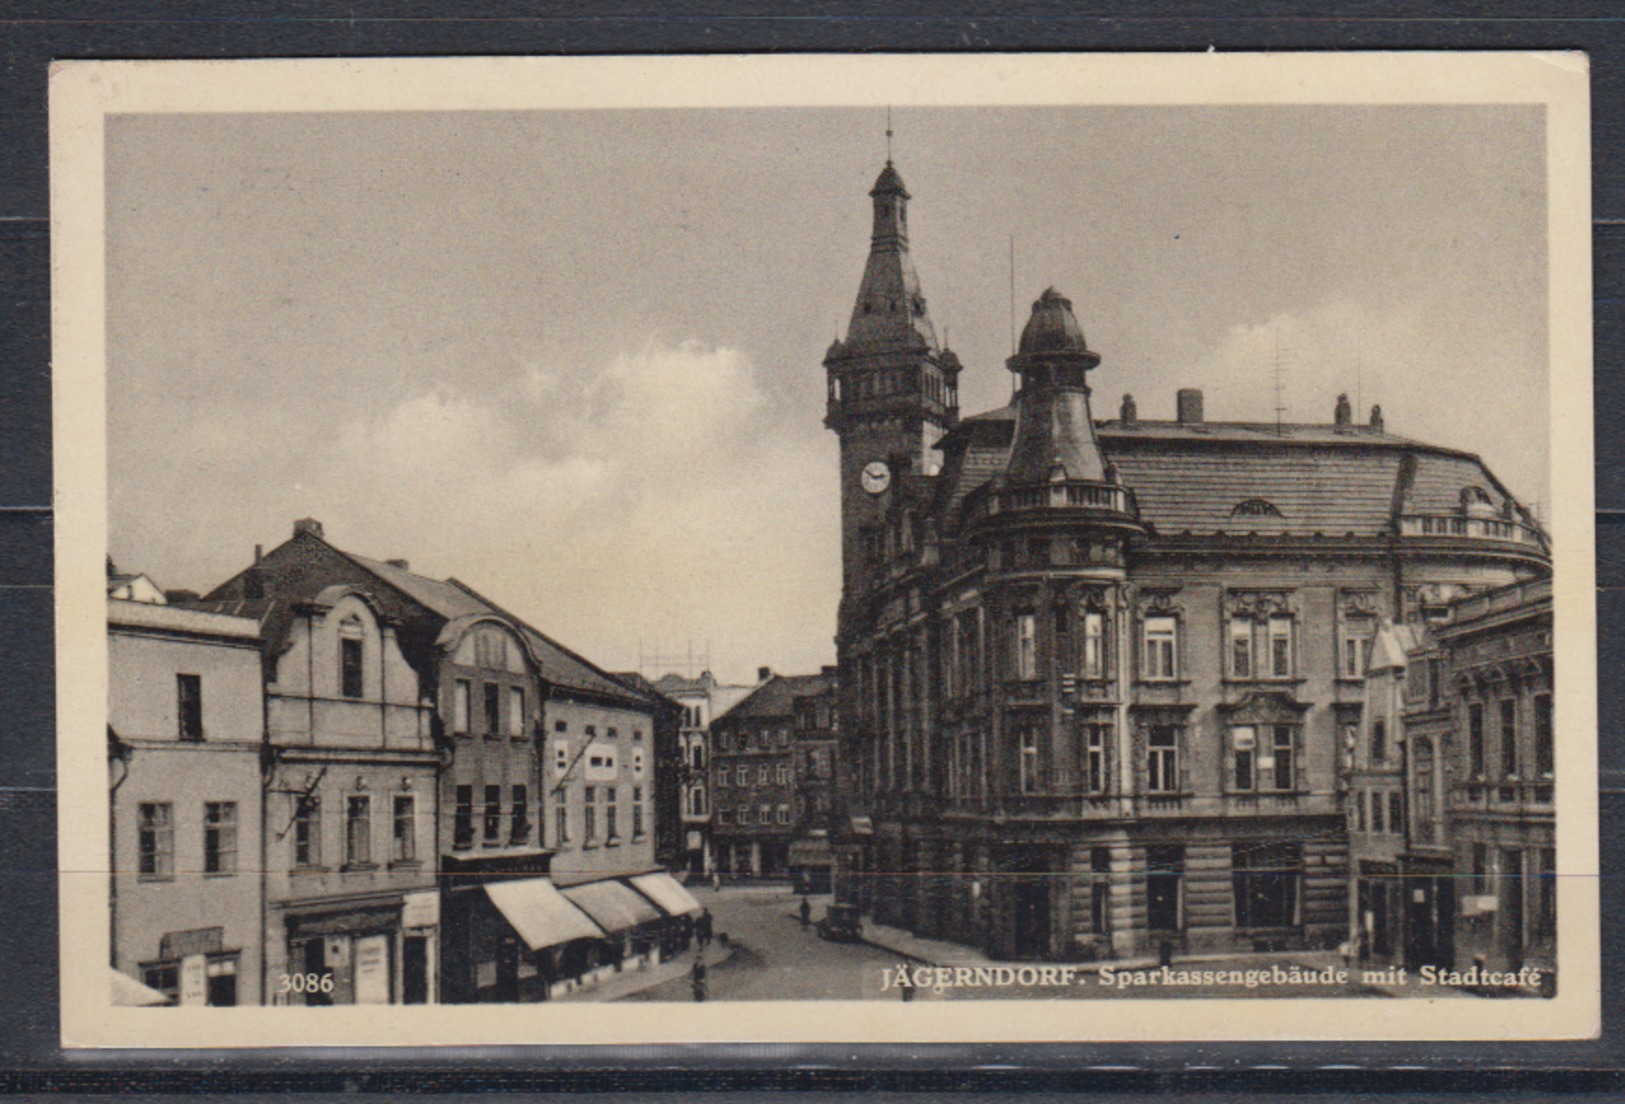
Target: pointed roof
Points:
(889, 182)
(889, 314)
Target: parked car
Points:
(841, 924)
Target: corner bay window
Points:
(1265, 879)
(1162, 759)
(1161, 635)
(1026, 645)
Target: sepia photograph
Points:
(769, 549)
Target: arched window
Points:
(1255, 507)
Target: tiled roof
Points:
(1190, 478)
(445, 598)
(777, 696)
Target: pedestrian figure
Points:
(704, 926)
(716, 881)
(696, 979)
(806, 912)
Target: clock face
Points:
(876, 477)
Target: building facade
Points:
(669, 770)
(1095, 676)
(816, 743)
(699, 699)
(351, 902)
(185, 727)
(753, 776)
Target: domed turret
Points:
(889, 182)
(1053, 328)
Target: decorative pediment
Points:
(1357, 603)
(1264, 707)
(1158, 600)
(1259, 604)
(1092, 598)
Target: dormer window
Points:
(1255, 507)
(1475, 502)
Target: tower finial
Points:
(888, 134)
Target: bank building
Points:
(1098, 676)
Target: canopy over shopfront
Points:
(667, 892)
(615, 906)
(540, 913)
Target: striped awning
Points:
(616, 906)
(667, 892)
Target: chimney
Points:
(828, 670)
(259, 552)
(1190, 406)
(308, 525)
(1129, 415)
(404, 565)
(1343, 414)
(763, 674)
(1376, 418)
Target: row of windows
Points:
(1266, 886)
(358, 830)
(591, 731)
(155, 839)
(1261, 759)
(763, 775)
(1511, 763)
(590, 798)
(495, 723)
(1378, 812)
(762, 739)
(764, 814)
(490, 817)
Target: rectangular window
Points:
(350, 670)
(612, 827)
(1509, 737)
(1265, 880)
(189, 706)
(1379, 740)
(1280, 647)
(1026, 646)
(589, 809)
(1100, 890)
(1093, 660)
(1095, 737)
(1356, 647)
(1481, 869)
(1164, 887)
(1161, 640)
(744, 815)
(516, 711)
(460, 707)
(156, 841)
(307, 831)
(1396, 813)
(637, 812)
(765, 814)
(762, 775)
(358, 831)
(220, 837)
(1475, 739)
(1162, 759)
(519, 815)
(1241, 648)
(1284, 780)
(1546, 903)
(561, 817)
(1359, 810)
(403, 847)
(1376, 812)
(463, 821)
(493, 709)
(1029, 761)
(1543, 735)
(784, 814)
(1244, 740)
(782, 774)
(492, 821)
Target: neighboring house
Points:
(665, 804)
(1096, 677)
(185, 727)
(352, 906)
(546, 761)
(816, 742)
(753, 776)
(700, 699)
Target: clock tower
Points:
(893, 391)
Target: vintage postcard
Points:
(744, 549)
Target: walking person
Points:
(806, 913)
(696, 980)
(704, 928)
(716, 881)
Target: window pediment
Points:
(1264, 707)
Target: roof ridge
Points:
(577, 656)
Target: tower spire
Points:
(888, 134)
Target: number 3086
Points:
(306, 983)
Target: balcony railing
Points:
(1472, 528)
(1069, 494)
(1505, 796)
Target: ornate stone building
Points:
(1095, 676)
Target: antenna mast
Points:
(1280, 408)
(1012, 295)
(888, 134)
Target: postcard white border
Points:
(82, 94)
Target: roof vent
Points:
(1343, 414)
(1190, 406)
(1376, 418)
(1129, 414)
(307, 525)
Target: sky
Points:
(573, 358)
